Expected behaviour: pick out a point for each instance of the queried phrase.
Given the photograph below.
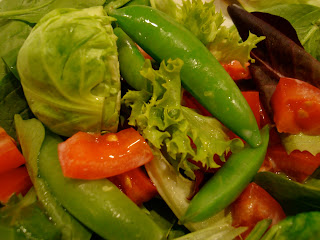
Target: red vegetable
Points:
(237, 71)
(94, 156)
(298, 165)
(10, 156)
(296, 107)
(136, 185)
(253, 205)
(14, 181)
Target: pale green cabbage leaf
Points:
(69, 71)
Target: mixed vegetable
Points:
(159, 119)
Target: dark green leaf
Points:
(294, 197)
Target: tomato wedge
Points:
(14, 181)
(296, 107)
(10, 156)
(237, 71)
(253, 205)
(95, 156)
(136, 185)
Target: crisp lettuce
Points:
(173, 128)
(301, 142)
(206, 23)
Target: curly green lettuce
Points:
(204, 22)
(180, 132)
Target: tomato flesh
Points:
(237, 71)
(136, 185)
(296, 107)
(14, 181)
(95, 156)
(10, 156)
(253, 205)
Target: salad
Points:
(159, 119)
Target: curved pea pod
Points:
(228, 183)
(131, 61)
(97, 204)
(202, 75)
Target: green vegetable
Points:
(70, 73)
(25, 220)
(31, 134)
(304, 226)
(33, 11)
(259, 229)
(306, 21)
(138, 2)
(301, 142)
(256, 5)
(131, 61)
(167, 125)
(99, 204)
(202, 75)
(228, 183)
(294, 197)
(205, 23)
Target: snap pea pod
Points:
(98, 204)
(228, 183)
(131, 61)
(202, 75)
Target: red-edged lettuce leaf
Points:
(279, 55)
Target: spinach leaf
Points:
(304, 226)
(32, 11)
(306, 20)
(12, 36)
(294, 197)
(12, 101)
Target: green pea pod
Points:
(98, 204)
(131, 61)
(228, 183)
(138, 2)
(202, 75)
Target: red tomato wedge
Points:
(297, 165)
(136, 185)
(253, 205)
(237, 71)
(10, 156)
(296, 106)
(14, 181)
(95, 156)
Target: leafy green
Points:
(294, 197)
(33, 11)
(203, 20)
(25, 219)
(12, 101)
(301, 142)
(169, 126)
(259, 229)
(69, 71)
(256, 5)
(304, 226)
(306, 21)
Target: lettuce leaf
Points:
(301, 142)
(173, 128)
(207, 24)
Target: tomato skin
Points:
(297, 165)
(253, 205)
(237, 71)
(95, 156)
(296, 106)
(136, 185)
(14, 181)
(10, 156)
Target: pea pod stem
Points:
(228, 183)
(202, 75)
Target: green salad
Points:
(160, 119)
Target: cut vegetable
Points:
(95, 156)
